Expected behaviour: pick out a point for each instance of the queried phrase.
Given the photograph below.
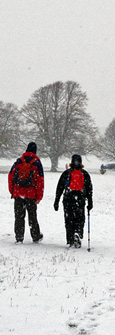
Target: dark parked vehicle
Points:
(109, 166)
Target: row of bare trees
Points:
(9, 129)
(55, 118)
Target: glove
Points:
(89, 207)
(56, 205)
(37, 202)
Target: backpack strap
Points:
(23, 159)
(68, 179)
(31, 162)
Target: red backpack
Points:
(76, 180)
(24, 173)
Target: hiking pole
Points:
(88, 231)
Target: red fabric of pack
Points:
(31, 192)
(76, 181)
(26, 168)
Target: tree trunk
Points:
(54, 163)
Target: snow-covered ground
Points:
(47, 289)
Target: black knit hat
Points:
(76, 160)
(32, 147)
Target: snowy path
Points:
(46, 289)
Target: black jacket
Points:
(62, 187)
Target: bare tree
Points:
(109, 141)
(9, 129)
(58, 121)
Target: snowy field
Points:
(47, 289)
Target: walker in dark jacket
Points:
(74, 200)
(27, 198)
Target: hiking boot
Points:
(38, 239)
(70, 245)
(41, 237)
(70, 242)
(19, 242)
(19, 238)
(77, 242)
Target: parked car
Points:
(109, 166)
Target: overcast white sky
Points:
(42, 41)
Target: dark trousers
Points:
(20, 207)
(74, 214)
